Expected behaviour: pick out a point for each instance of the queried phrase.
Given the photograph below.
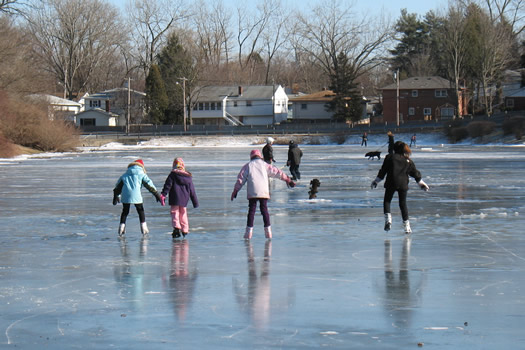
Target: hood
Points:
(135, 169)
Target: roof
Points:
(249, 92)
(320, 96)
(421, 83)
(107, 94)
(98, 111)
(54, 100)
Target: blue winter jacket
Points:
(131, 183)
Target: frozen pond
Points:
(330, 278)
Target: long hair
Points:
(402, 148)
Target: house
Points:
(58, 108)
(239, 105)
(422, 98)
(96, 117)
(115, 101)
(312, 107)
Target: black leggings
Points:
(125, 212)
(402, 194)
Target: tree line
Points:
(69, 47)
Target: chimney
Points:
(240, 90)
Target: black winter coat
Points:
(397, 169)
(268, 154)
(294, 155)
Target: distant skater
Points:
(398, 167)
(364, 139)
(390, 142)
(294, 160)
(179, 186)
(413, 140)
(268, 151)
(255, 174)
(128, 189)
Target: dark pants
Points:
(402, 194)
(125, 212)
(294, 170)
(364, 142)
(252, 207)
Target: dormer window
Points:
(415, 93)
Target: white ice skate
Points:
(388, 221)
(121, 229)
(144, 228)
(268, 232)
(248, 233)
(406, 225)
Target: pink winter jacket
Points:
(256, 173)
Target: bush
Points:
(7, 149)
(28, 125)
(514, 126)
(457, 134)
(480, 128)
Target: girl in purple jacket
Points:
(179, 186)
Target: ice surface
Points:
(330, 278)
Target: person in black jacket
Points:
(398, 167)
(268, 151)
(294, 159)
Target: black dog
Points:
(371, 155)
(314, 184)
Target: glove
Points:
(375, 182)
(288, 163)
(116, 200)
(290, 184)
(157, 196)
(234, 195)
(423, 185)
(162, 200)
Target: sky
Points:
(372, 7)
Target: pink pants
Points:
(179, 218)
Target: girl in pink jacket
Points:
(256, 173)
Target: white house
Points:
(58, 108)
(115, 102)
(239, 105)
(96, 117)
(312, 107)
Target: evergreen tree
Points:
(156, 97)
(175, 63)
(346, 104)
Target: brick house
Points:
(422, 98)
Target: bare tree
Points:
(508, 11)
(10, 6)
(151, 20)
(72, 37)
(333, 29)
(276, 35)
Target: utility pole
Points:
(184, 102)
(128, 116)
(397, 99)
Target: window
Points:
(510, 103)
(427, 111)
(195, 107)
(414, 93)
(219, 105)
(212, 106)
(88, 122)
(441, 93)
(249, 103)
(94, 103)
(201, 106)
(234, 103)
(206, 106)
(411, 111)
(447, 112)
(304, 106)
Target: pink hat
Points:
(255, 153)
(178, 163)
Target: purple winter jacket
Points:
(180, 187)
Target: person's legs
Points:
(175, 221)
(252, 207)
(403, 204)
(293, 172)
(263, 203)
(125, 213)
(184, 223)
(141, 212)
(389, 194)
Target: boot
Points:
(121, 229)
(176, 232)
(268, 232)
(144, 228)
(248, 233)
(406, 225)
(388, 221)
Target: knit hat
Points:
(140, 162)
(255, 154)
(178, 163)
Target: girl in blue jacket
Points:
(128, 188)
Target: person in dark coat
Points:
(294, 159)
(179, 187)
(397, 168)
(364, 139)
(268, 151)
